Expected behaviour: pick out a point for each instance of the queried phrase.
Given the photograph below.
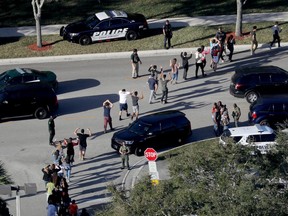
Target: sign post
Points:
(151, 155)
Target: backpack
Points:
(214, 51)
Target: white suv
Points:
(257, 135)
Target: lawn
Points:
(183, 38)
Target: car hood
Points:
(77, 27)
(126, 135)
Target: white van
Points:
(257, 135)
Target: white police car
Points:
(105, 25)
(260, 136)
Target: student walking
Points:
(82, 141)
(135, 105)
(124, 153)
(221, 37)
(275, 31)
(135, 60)
(230, 46)
(254, 42)
(164, 81)
(51, 129)
(174, 70)
(185, 63)
(199, 63)
(236, 113)
(107, 106)
(123, 94)
(153, 86)
(167, 32)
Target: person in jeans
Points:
(107, 106)
(164, 81)
(153, 86)
(174, 70)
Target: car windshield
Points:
(3, 76)
(92, 21)
(139, 128)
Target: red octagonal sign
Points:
(150, 154)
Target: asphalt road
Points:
(83, 87)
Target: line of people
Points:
(221, 119)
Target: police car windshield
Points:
(139, 128)
(92, 21)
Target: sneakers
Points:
(128, 114)
(120, 118)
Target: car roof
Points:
(259, 69)
(110, 14)
(15, 72)
(250, 130)
(159, 116)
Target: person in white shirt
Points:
(198, 58)
(123, 94)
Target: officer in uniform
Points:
(124, 152)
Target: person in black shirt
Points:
(185, 63)
(167, 31)
(51, 129)
(82, 141)
(221, 37)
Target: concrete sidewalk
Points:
(158, 23)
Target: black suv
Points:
(156, 130)
(252, 82)
(34, 99)
(269, 110)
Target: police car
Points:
(105, 25)
(260, 136)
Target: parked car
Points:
(253, 81)
(27, 75)
(269, 110)
(260, 136)
(34, 99)
(106, 25)
(156, 130)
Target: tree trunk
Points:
(37, 6)
(38, 31)
(238, 29)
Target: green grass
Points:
(19, 12)
(183, 38)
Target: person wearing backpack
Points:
(276, 30)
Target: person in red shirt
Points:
(73, 208)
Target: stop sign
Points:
(150, 154)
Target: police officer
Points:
(124, 152)
(167, 32)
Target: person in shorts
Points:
(82, 141)
(135, 105)
(123, 94)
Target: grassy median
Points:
(183, 38)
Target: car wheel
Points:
(131, 35)
(264, 122)
(251, 97)
(41, 113)
(139, 151)
(85, 40)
